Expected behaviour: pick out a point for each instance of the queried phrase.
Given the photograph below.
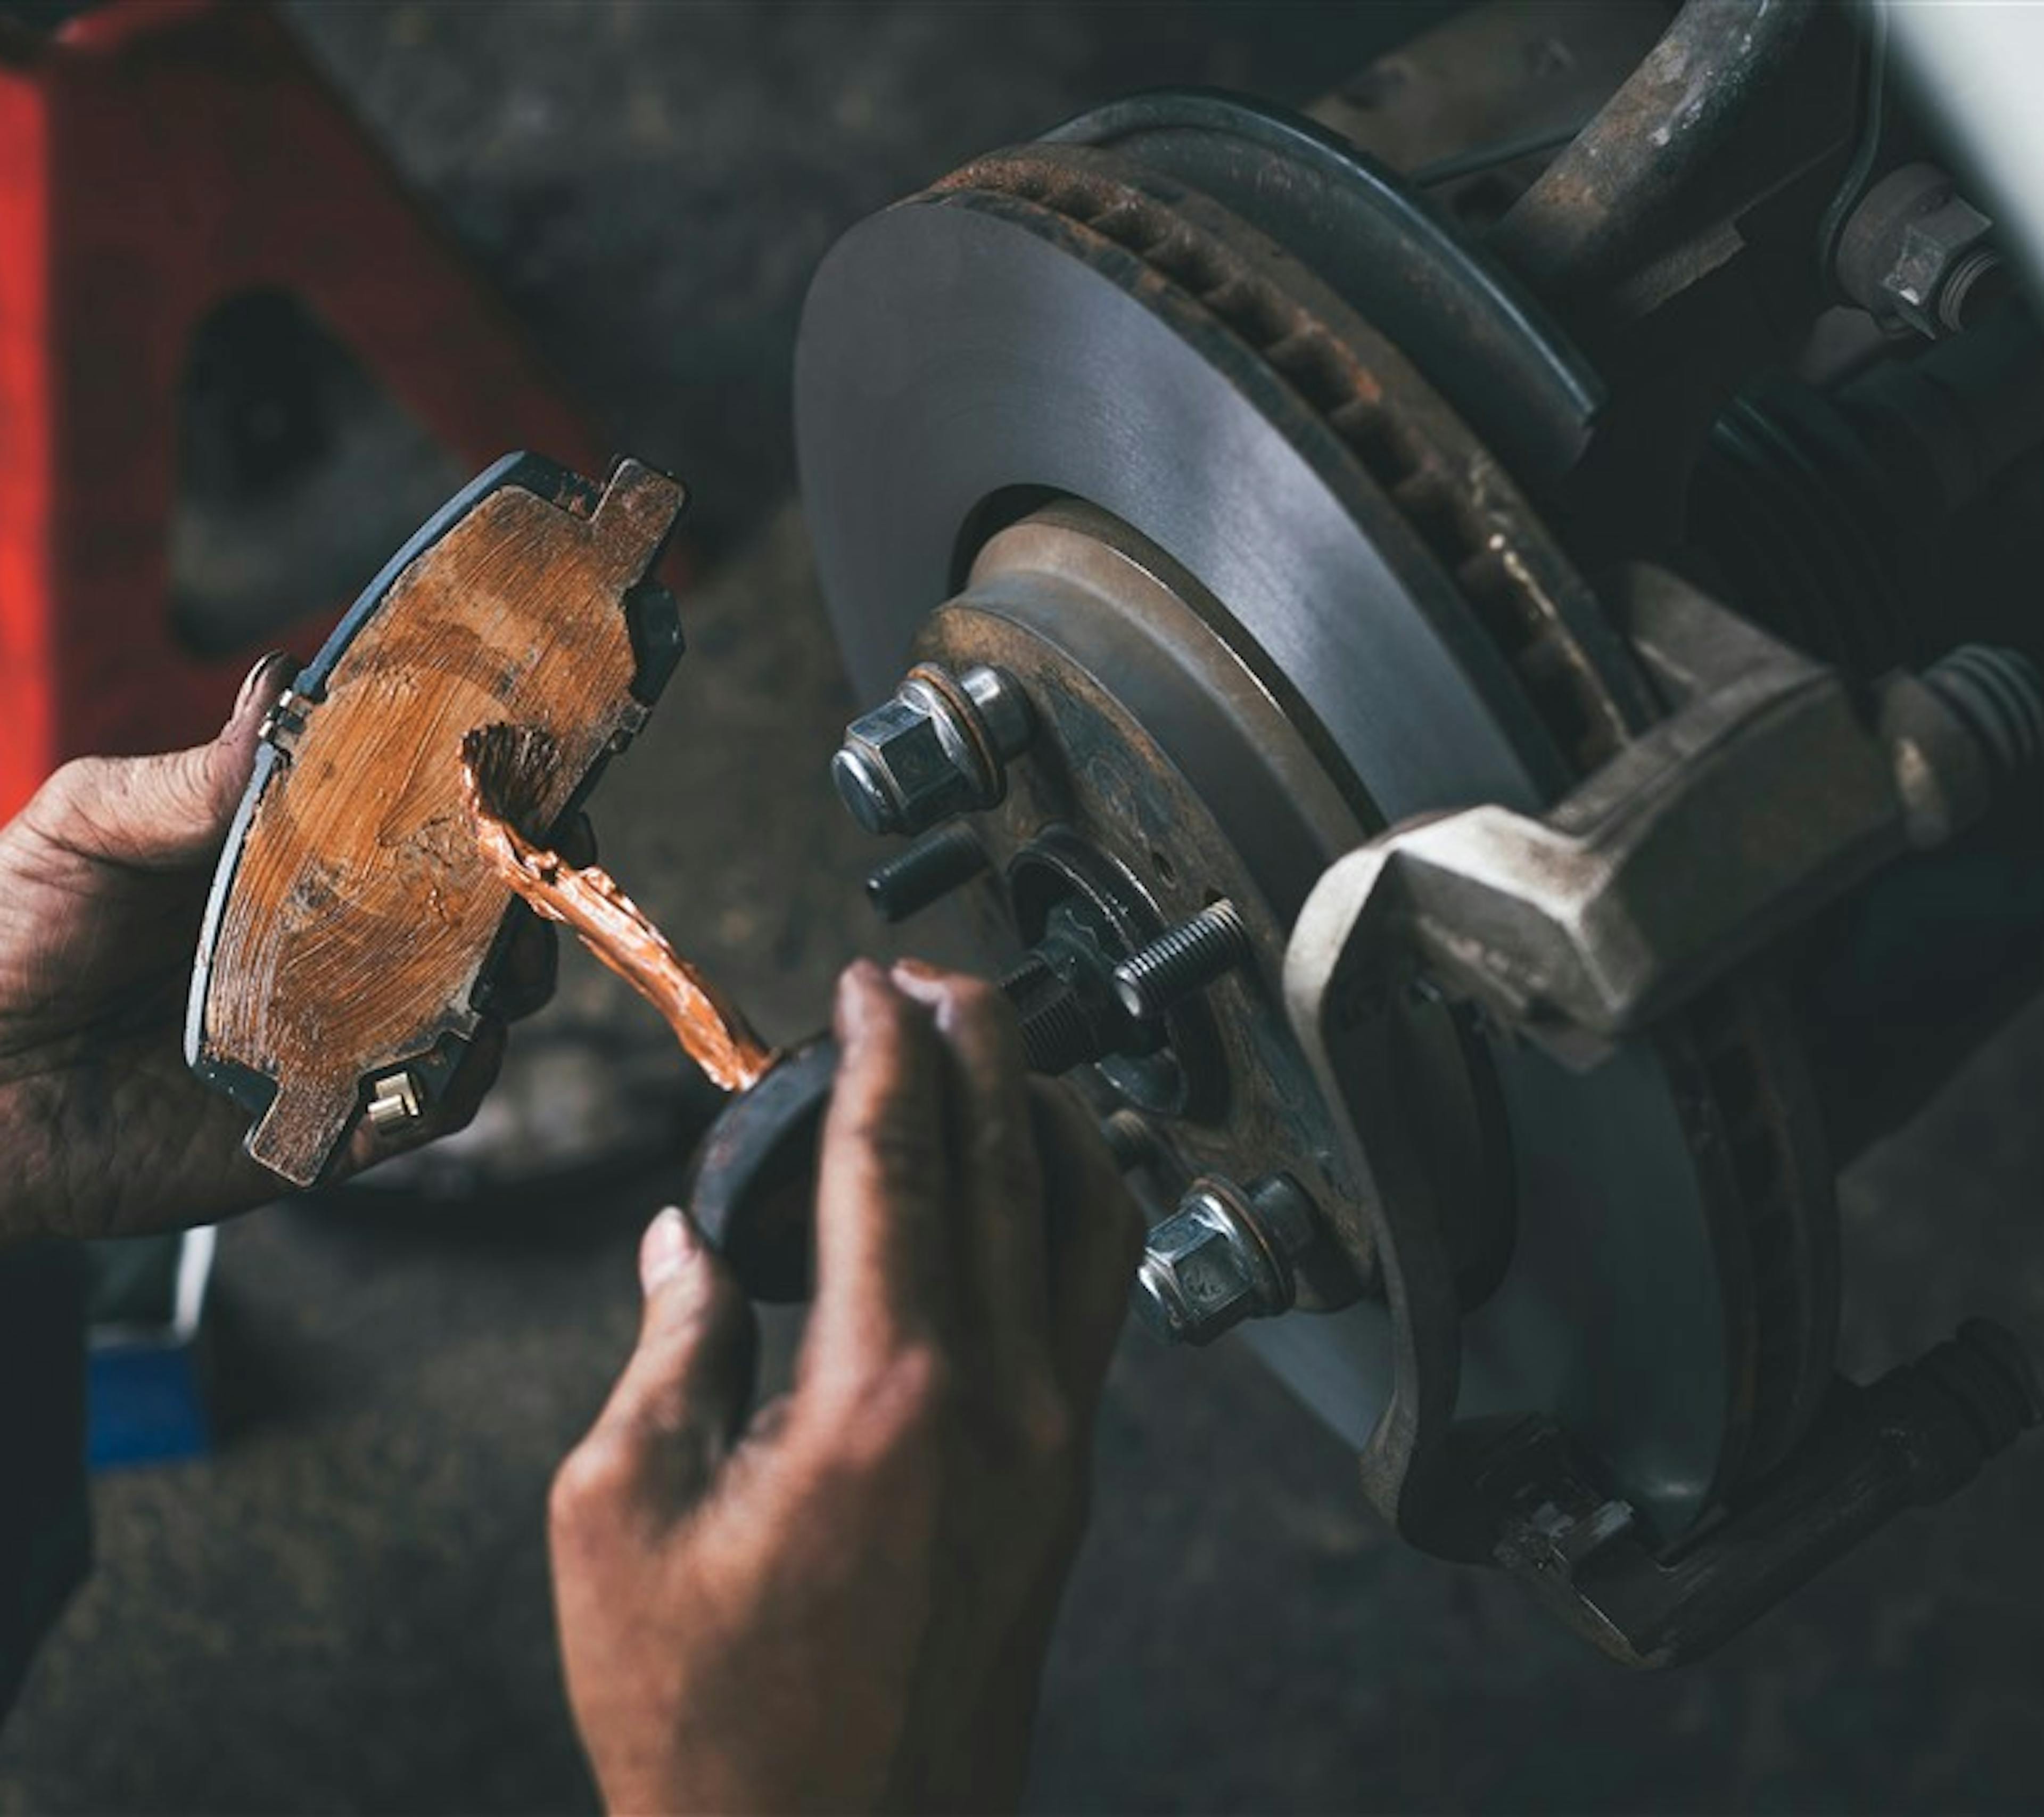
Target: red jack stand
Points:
(158, 157)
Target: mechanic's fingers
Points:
(164, 811)
(884, 1266)
(577, 843)
(1000, 1180)
(1096, 1238)
(523, 980)
(680, 1403)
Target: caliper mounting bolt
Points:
(1181, 960)
(929, 871)
(940, 747)
(1224, 1255)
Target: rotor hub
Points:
(1165, 775)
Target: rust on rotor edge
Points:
(1462, 508)
(1755, 1149)
(505, 769)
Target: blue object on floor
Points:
(147, 1405)
(145, 1381)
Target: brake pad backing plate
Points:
(353, 917)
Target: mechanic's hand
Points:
(843, 1602)
(103, 879)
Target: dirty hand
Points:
(843, 1602)
(103, 879)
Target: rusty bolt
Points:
(1915, 251)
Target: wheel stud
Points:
(1180, 961)
(1130, 1140)
(926, 872)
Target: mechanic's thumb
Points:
(683, 1398)
(167, 810)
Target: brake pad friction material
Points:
(354, 917)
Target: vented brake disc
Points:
(1087, 336)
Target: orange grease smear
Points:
(712, 1031)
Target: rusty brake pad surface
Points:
(353, 919)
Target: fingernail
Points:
(926, 985)
(668, 1247)
(254, 680)
(856, 987)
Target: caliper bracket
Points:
(1770, 790)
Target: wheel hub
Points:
(1165, 774)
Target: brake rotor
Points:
(1063, 322)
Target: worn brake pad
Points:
(344, 960)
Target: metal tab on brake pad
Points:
(352, 918)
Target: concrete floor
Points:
(346, 1609)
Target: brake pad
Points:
(354, 923)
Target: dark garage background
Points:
(346, 1609)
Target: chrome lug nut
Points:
(1224, 1256)
(1181, 960)
(940, 746)
(926, 872)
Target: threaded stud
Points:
(1973, 285)
(1130, 1140)
(1999, 694)
(1180, 961)
(1056, 1035)
(926, 872)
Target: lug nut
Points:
(863, 790)
(1180, 961)
(1224, 1256)
(926, 872)
(940, 747)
